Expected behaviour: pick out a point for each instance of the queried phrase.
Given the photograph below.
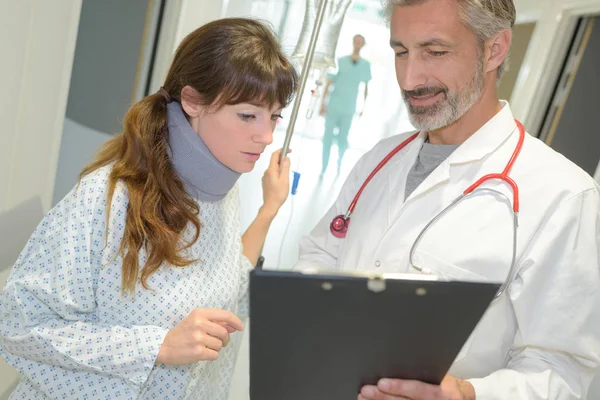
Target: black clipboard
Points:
(325, 335)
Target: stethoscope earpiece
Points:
(339, 226)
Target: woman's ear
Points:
(498, 50)
(190, 101)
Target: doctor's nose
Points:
(411, 73)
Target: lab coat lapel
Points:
(477, 147)
(487, 139)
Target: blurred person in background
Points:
(340, 106)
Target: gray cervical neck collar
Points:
(205, 178)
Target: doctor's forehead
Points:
(429, 20)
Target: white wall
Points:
(195, 13)
(37, 38)
(529, 10)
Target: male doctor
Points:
(541, 338)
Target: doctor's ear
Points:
(190, 101)
(497, 50)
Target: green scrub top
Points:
(346, 82)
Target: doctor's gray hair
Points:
(485, 18)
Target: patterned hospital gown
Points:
(65, 326)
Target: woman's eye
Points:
(246, 117)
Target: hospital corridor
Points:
(443, 176)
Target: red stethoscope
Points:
(339, 225)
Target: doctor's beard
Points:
(450, 108)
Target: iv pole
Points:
(303, 78)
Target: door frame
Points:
(543, 63)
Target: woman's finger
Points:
(218, 331)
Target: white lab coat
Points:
(540, 340)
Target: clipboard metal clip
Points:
(376, 284)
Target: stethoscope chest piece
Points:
(339, 226)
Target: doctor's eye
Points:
(246, 117)
(438, 53)
(401, 53)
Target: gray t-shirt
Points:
(430, 156)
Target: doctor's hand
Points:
(396, 389)
(199, 337)
(276, 185)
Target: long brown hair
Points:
(227, 61)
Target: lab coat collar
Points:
(487, 139)
(483, 142)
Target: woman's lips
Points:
(253, 157)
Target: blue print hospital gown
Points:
(71, 334)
